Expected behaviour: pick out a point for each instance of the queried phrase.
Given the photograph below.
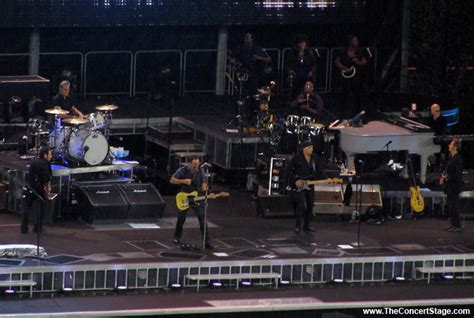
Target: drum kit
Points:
(80, 140)
(298, 129)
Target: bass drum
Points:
(87, 146)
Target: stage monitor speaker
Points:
(102, 202)
(144, 201)
(328, 199)
(275, 206)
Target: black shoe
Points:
(309, 229)
(24, 230)
(177, 241)
(455, 229)
(449, 229)
(208, 246)
(297, 230)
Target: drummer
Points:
(307, 103)
(67, 102)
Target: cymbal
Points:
(56, 111)
(106, 107)
(75, 121)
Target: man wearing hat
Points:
(304, 166)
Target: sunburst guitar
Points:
(184, 200)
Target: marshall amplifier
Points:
(143, 199)
(101, 202)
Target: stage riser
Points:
(162, 275)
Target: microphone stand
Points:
(39, 220)
(359, 203)
(206, 194)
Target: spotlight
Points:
(284, 282)
(448, 276)
(9, 291)
(337, 280)
(246, 283)
(175, 286)
(399, 278)
(67, 290)
(121, 288)
(216, 284)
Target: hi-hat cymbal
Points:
(75, 121)
(56, 111)
(106, 107)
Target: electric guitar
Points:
(185, 200)
(417, 203)
(307, 183)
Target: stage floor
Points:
(236, 230)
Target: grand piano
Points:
(401, 133)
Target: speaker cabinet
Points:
(102, 201)
(275, 206)
(144, 200)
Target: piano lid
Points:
(406, 123)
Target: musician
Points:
(307, 103)
(351, 60)
(252, 58)
(66, 101)
(436, 121)
(452, 181)
(38, 186)
(301, 66)
(191, 178)
(304, 166)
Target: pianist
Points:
(437, 122)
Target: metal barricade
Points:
(322, 72)
(48, 70)
(14, 64)
(107, 76)
(149, 71)
(201, 68)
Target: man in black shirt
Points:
(303, 166)
(191, 178)
(38, 186)
(307, 103)
(351, 63)
(252, 58)
(301, 66)
(67, 102)
(436, 121)
(452, 181)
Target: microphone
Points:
(370, 53)
(356, 118)
(361, 162)
(388, 143)
(206, 165)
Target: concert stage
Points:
(140, 255)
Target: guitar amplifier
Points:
(144, 200)
(101, 202)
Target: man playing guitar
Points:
(303, 166)
(452, 181)
(191, 178)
